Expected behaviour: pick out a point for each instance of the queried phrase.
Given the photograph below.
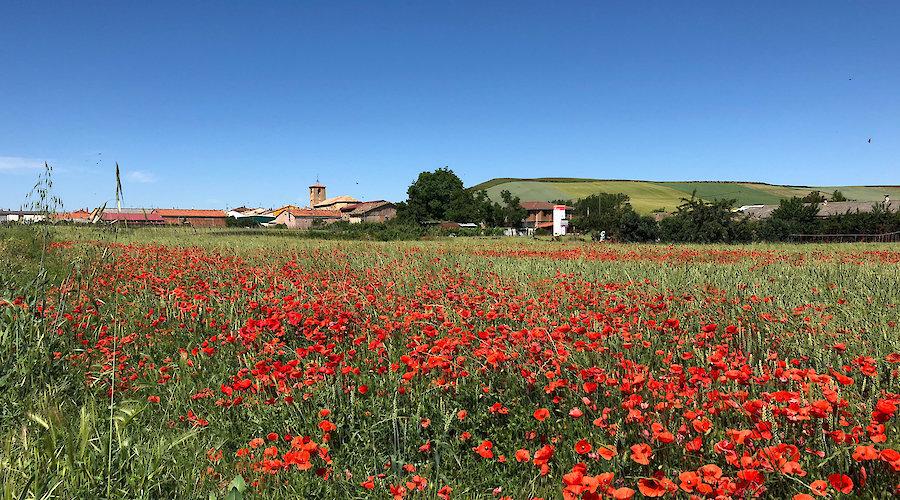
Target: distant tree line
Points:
(701, 221)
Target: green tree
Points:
(700, 221)
(437, 195)
(793, 216)
(814, 197)
(512, 213)
(613, 213)
(837, 195)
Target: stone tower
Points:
(316, 194)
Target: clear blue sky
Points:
(217, 104)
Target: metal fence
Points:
(893, 237)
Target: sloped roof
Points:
(830, 209)
(539, 205)
(842, 207)
(189, 212)
(367, 206)
(314, 213)
(336, 199)
(151, 217)
(21, 212)
(111, 210)
(78, 214)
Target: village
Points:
(320, 212)
(537, 217)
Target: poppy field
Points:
(228, 367)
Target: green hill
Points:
(647, 196)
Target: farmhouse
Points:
(369, 211)
(192, 217)
(540, 214)
(305, 218)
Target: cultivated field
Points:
(172, 363)
(647, 196)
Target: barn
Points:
(192, 217)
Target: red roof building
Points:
(81, 216)
(132, 217)
(192, 217)
(540, 214)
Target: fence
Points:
(893, 237)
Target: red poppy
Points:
(651, 487)
(582, 447)
(485, 449)
(641, 453)
(841, 482)
(622, 493)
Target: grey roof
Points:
(21, 212)
(367, 206)
(828, 209)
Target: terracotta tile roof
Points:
(78, 214)
(337, 199)
(539, 205)
(367, 206)
(185, 212)
(150, 217)
(311, 212)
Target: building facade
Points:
(370, 211)
(306, 218)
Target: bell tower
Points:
(316, 194)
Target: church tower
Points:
(316, 194)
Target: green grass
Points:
(647, 196)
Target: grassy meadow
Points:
(164, 363)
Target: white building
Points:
(21, 216)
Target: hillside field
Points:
(647, 196)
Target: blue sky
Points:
(220, 104)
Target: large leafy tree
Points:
(701, 221)
(612, 213)
(437, 195)
(511, 212)
(440, 195)
(793, 216)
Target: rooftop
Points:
(189, 212)
(312, 212)
(539, 205)
(336, 199)
(367, 206)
